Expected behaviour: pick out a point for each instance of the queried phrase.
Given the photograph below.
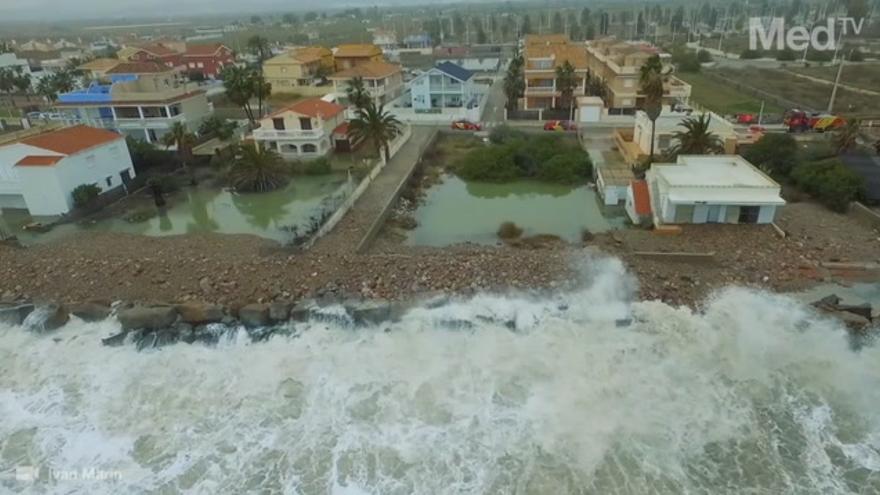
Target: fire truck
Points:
(801, 121)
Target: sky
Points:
(59, 10)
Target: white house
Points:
(445, 85)
(670, 122)
(712, 189)
(39, 172)
(307, 129)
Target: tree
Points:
(259, 47)
(514, 84)
(777, 153)
(651, 82)
(258, 170)
(566, 82)
(83, 195)
(180, 136)
(585, 16)
(242, 85)
(220, 128)
(556, 24)
(59, 82)
(357, 93)
(377, 125)
(289, 18)
(526, 25)
(846, 137)
(696, 138)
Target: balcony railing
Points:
(273, 134)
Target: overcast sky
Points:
(59, 10)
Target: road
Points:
(493, 112)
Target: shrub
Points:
(494, 163)
(778, 153)
(688, 61)
(509, 230)
(703, 56)
(85, 194)
(505, 134)
(819, 55)
(568, 168)
(857, 56)
(830, 182)
(786, 55)
(321, 166)
(748, 54)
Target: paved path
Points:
(350, 231)
(826, 82)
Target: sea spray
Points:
(536, 395)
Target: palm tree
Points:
(259, 46)
(696, 139)
(376, 124)
(258, 170)
(651, 82)
(357, 93)
(238, 82)
(178, 135)
(566, 82)
(846, 137)
(514, 84)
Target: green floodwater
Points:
(456, 211)
(272, 215)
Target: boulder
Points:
(196, 313)
(90, 311)
(370, 312)
(147, 317)
(15, 314)
(302, 310)
(279, 311)
(47, 317)
(852, 320)
(863, 310)
(254, 315)
(115, 340)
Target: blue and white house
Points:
(445, 85)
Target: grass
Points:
(9, 113)
(721, 98)
(863, 76)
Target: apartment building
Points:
(299, 70)
(542, 54)
(618, 65)
(383, 81)
(139, 99)
(306, 129)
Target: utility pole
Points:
(836, 83)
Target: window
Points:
(663, 142)
(749, 214)
(628, 83)
(309, 148)
(192, 65)
(278, 124)
(109, 181)
(201, 65)
(305, 124)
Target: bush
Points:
(704, 57)
(830, 182)
(85, 194)
(321, 166)
(819, 55)
(748, 54)
(505, 134)
(778, 153)
(568, 168)
(857, 56)
(509, 230)
(786, 55)
(688, 61)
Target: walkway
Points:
(352, 229)
(826, 82)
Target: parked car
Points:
(466, 125)
(560, 125)
(746, 118)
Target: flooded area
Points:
(275, 215)
(457, 211)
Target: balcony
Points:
(540, 90)
(288, 135)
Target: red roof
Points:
(640, 197)
(159, 50)
(137, 68)
(341, 129)
(314, 107)
(39, 160)
(204, 50)
(71, 140)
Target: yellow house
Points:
(301, 70)
(352, 55)
(97, 68)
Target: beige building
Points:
(300, 70)
(306, 129)
(542, 54)
(351, 55)
(97, 68)
(383, 81)
(635, 145)
(618, 64)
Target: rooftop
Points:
(202, 50)
(358, 50)
(137, 68)
(71, 140)
(455, 71)
(100, 64)
(373, 69)
(717, 178)
(313, 107)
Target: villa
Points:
(39, 171)
(352, 55)
(143, 100)
(635, 145)
(446, 85)
(384, 81)
(309, 128)
(711, 189)
(300, 70)
(208, 60)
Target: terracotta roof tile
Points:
(159, 50)
(313, 107)
(641, 198)
(202, 50)
(100, 64)
(39, 160)
(138, 68)
(373, 69)
(71, 140)
(357, 50)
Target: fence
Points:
(349, 202)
